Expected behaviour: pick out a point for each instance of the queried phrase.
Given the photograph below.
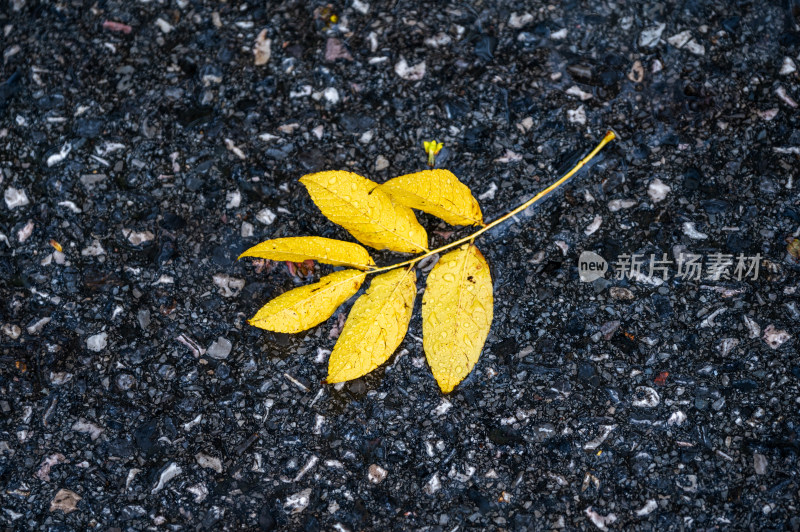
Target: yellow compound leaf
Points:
(325, 250)
(366, 211)
(310, 305)
(457, 311)
(437, 192)
(375, 327)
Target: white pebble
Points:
(265, 216)
(753, 329)
(70, 205)
(15, 198)
(442, 409)
(381, 163)
(605, 431)
(209, 462)
(331, 95)
(305, 90)
(676, 418)
(11, 330)
(600, 521)
(138, 237)
(440, 39)
(410, 73)
(787, 67)
(783, 95)
(619, 204)
(318, 132)
(220, 349)
(361, 7)
(97, 342)
(233, 199)
(199, 491)
(691, 231)
(769, 114)
(657, 190)
(228, 286)
(509, 157)
(93, 250)
(651, 35)
(163, 25)
(433, 485)
(86, 427)
(25, 232)
(366, 137)
(559, 35)
(170, 472)
(247, 229)
(519, 21)
(576, 91)
(298, 502)
(775, 337)
(695, 47)
(262, 49)
(235, 149)
(37, 327)
(376, 474)
(646, 397)
(680, 39)
(577, 116)
(60, 156)
(648, 508)
(594, 226)
(489, 194)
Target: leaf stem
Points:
(609, 136)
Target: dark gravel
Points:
(128, 375)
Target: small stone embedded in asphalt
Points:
(138, 237)
(220, 348)
(775, 337)
(125, 381)
(650, 36)
(228, 286)
(410, 73)
(265, 216)
(646, 397)
(143, 317)
(15, 198)
(65, 500)
(210, 462)
(298, 502)
(168, 473)
(97, 342)
(377, 474)
(262, 49)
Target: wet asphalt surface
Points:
(142, 140)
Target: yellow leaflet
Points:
(457, 311)
(310, 305)
(326, 250)
(437, 192)
(368, 213)
(375, 327)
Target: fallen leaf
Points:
(457, 311)
(310, 305)
(368, 213)
(375, 327)
(437, 192)
(325, 250)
